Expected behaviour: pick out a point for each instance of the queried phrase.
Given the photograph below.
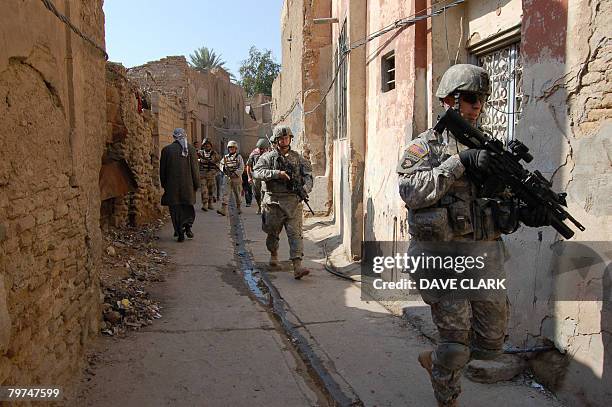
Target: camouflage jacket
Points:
(271, 163)
(443, 204)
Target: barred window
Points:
(503, 110)
(341, 84)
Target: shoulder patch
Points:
(413, 155)
(416, 151)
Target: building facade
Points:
(549, 65)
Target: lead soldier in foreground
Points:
(436, 183)
(287, 178)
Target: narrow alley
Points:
(236, 332)
(306, 203)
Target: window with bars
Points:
(387, 70)
(503, 110)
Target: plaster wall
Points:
(52, 87)
(389, 121)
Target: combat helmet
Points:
(262, 143)
(232, 143)
(206, 141)
(466, 78)
(280, 131)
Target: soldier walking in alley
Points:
(261, 148)
(209, 167)
(178, 173)
(435, 182)
(232, 166)
(284, 173)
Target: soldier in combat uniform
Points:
(232, 166)
(443, 201)
(282, 170)
(208, 160)
(260, 148)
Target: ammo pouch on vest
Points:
(494, 217)
(430, 224)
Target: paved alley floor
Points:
(214, 346)
(217, 345)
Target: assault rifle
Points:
(296, 188)
(531, 188)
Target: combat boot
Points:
(204, 208)
(426, 362)
(210, 205)
(223, 210)
(238, 209)
(298, 270)
(259, 210)
(274, 259)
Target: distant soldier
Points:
(284, 172)
(178, 173)
(261, 148)
(209, 167)
(233, 167)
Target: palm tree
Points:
(204, 59)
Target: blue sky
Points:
(138, 31)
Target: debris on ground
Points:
(130, 263)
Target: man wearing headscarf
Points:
(179, 176)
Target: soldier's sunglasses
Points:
(472, 97)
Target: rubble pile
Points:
(131, 262)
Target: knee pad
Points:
(452, 355)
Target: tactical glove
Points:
(481, 161)
(540, 216)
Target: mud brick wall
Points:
(130, 137)
(167, 115)
(52, 130)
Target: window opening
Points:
(387, 70)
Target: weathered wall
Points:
(167, 115)
(136, 146)
(297, 92)
(567, 123)
(389, 121)
(52, 93)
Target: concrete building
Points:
(549, 62)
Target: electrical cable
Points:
(412, 19)
(331, 269)
(51, 7)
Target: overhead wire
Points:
(397, 24)
(51, 7)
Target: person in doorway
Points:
(232, 166)
(284, 174)
(178, 173)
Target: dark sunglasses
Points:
(472, 98)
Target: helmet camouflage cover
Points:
(281, 131)
(466, 78)
(262, 143)
(206, 141)
(232, 143)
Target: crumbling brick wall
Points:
(51, 139)
(130, 138)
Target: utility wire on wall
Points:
(51, 7)
(402, 22)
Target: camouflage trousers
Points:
(278, 211)
(208, 187)
(257, 192)
(468, 330)
(232, 185)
